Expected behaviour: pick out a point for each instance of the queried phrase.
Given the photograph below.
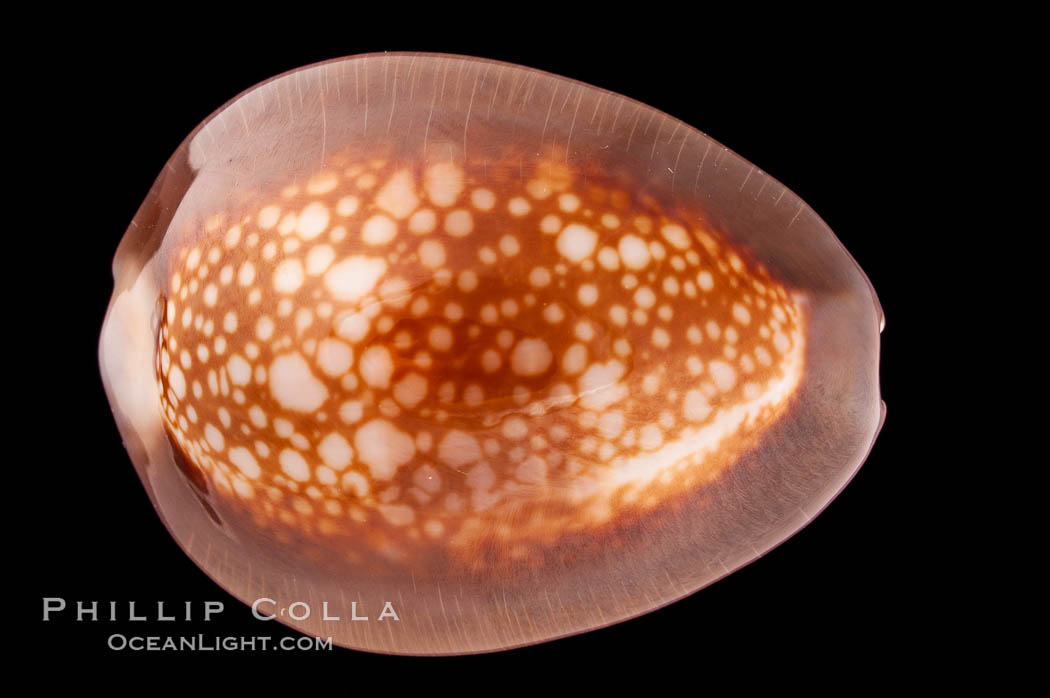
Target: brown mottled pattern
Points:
(549, 350)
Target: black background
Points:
(835, 114)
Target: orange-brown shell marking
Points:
(413, 355)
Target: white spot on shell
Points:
(634, 252)
(355, 482)
(440, 338)
(533, 470)
(458, 449)
(383, 448)
(177, 382)
(351, 411)
(239, 370)
(335, 451)
(587, 294)
(245, 462)
(431, 254)
(610, 424)
(539, 277)
(696, 408)
(518, 206)
(354, 277)
(376, 366)
(468, 281)
(268, 217)
(650, 437)
(294, 465)
(459, 223)
(723, 374)
(509, 245)
(288, 276)
(294, 386)
(422, 221)
(398, 195)
(530, 357)
(347, 206)
(600, 385)
(318, 259)
(378, 230)
(353, 327)
(334, 357)
(515, 428)
(483, 199)
(574, 360)
(608, 258)
(214, 437)
(781, 342)
(410, 390)
(322, 183)
(443, 184)
(577, 242)
(550, 224)
(676, 235)
(312, 221)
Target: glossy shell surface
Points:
(515, 355)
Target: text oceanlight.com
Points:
(215, 643)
